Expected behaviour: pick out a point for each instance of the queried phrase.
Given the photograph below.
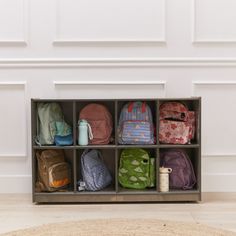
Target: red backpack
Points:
(177, 123)
(100, 120)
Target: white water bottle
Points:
(164, 179)
(85, 132)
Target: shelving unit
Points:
(111, 153)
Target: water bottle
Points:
(85, 132)
(164, 179)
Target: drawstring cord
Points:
(90, 132)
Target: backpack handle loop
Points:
(131, 106)
(90, 131)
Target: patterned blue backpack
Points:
(95, 174)
(135, 124)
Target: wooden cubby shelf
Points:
(111, 155)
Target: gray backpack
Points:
(95, 174)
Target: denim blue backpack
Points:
(136, 124)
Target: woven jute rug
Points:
(121, 227)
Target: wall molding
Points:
(117, 62)
(124, 42)
(12, 156)
(13, 83)
(211, 83)
(195, 39)
(65, 83)
(214, 82)
(25, 21)
(115, 41)
(212, 155)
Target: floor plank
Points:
(17, 211)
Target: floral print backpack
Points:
(177, 123)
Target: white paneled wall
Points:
(118, 49)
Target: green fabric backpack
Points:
(50, 122)
(136, 169)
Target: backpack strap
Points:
(90, 132)
(131, 106)
(36, 139)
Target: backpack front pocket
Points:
(137, 132)
(174, 132)
(59, 175)
(99, 129)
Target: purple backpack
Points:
(182, 175)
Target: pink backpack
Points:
(100, 120)
(177, 123)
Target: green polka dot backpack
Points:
(136, 169)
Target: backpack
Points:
(135, 124)
(100, 120)
(182, 175)
(95, 173)
(177, 123)
(51, 124)
(53, 172)
(136, 169)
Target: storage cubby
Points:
(110, 105)
(111, 155)
(67, 110)
(68, 154)
(152, 154)
(151, 103)
(193, 154)
(192, 105)
(109, 158)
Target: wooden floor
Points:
(17, 211)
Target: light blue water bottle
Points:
(85, 132)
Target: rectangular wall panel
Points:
(110, 21)
(13, 128)
(218, 117)
(12, 21)
(214, 21)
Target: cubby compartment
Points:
(67, 110)
(68, 155)
(109, 104)
(150, 103)
(193, 104)
(109, 159)
(193, 154)
(152, 154)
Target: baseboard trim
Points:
(15, 183)
(212, 183)
(218, 196)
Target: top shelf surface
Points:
(123, 99)
(118, 146)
